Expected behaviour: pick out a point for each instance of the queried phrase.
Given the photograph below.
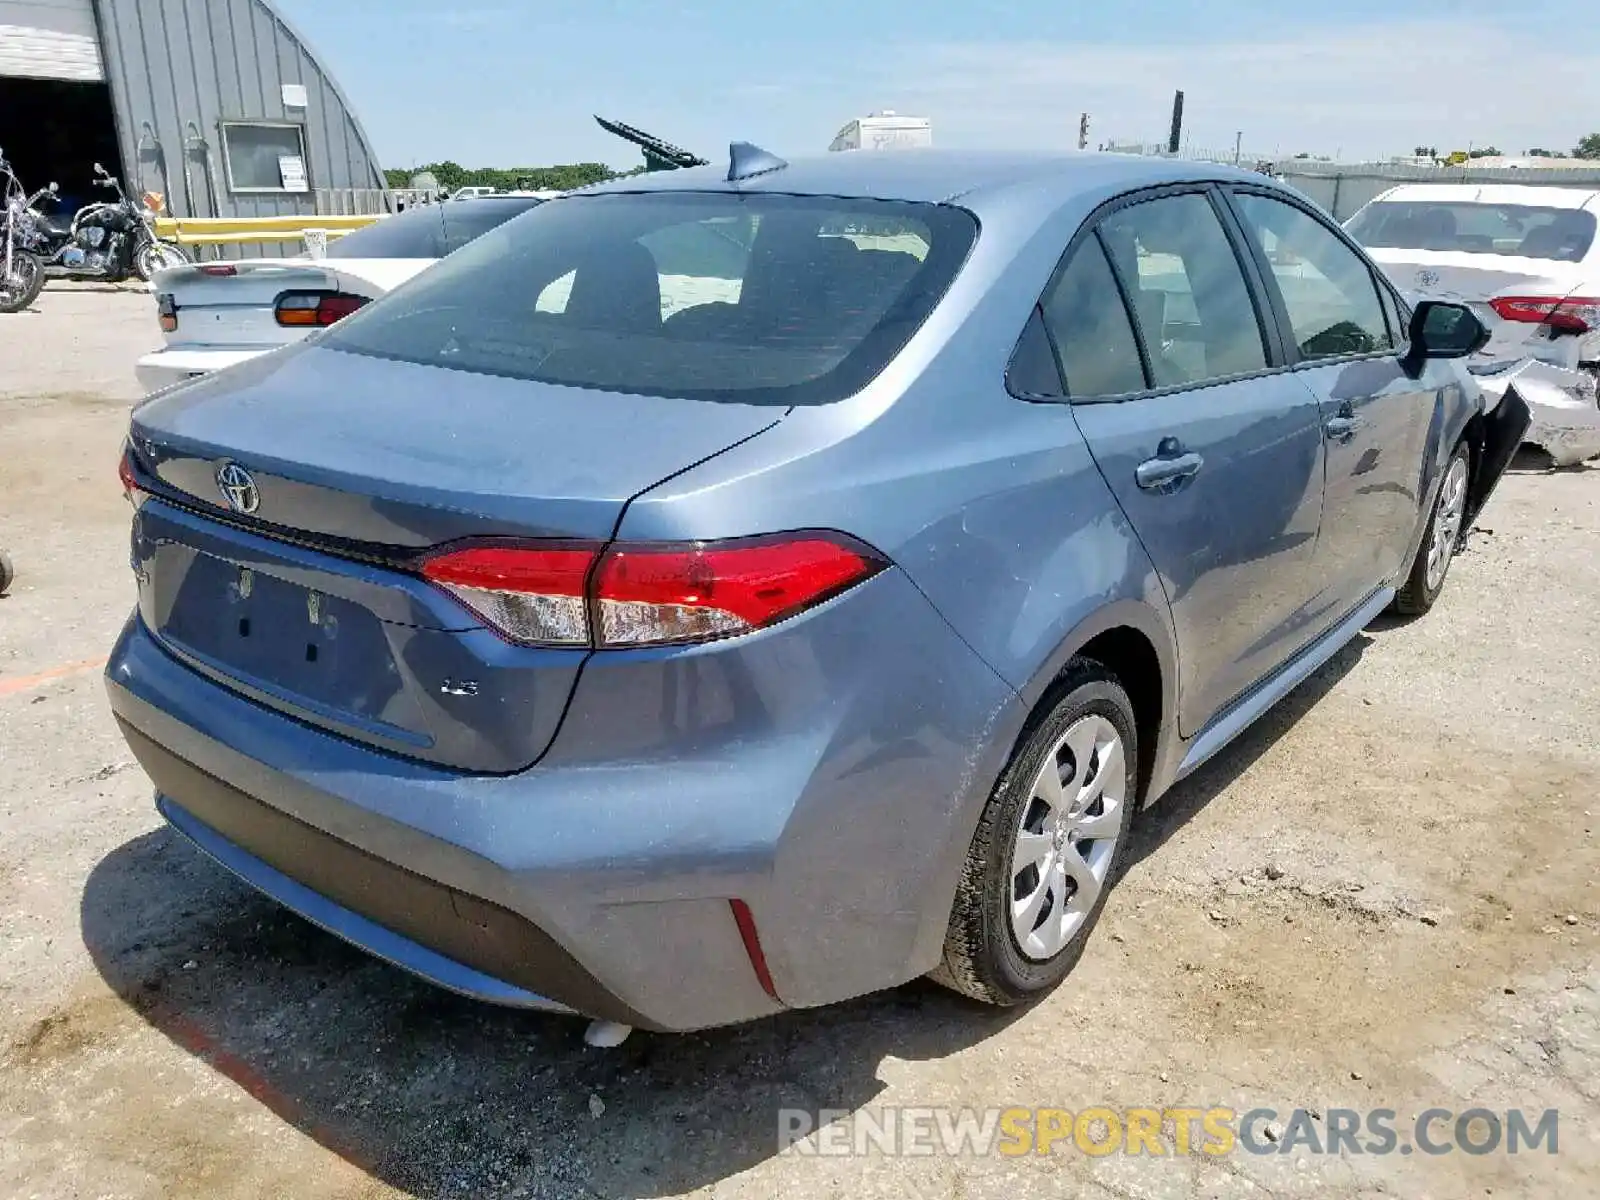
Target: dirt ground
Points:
(1383, 896)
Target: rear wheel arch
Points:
(1136, 647)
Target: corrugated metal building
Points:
(217, 104)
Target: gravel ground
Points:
(1383, 896)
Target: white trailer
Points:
(885, 130)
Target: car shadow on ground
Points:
(1158, 823)
(443, 1097)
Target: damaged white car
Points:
(1527, 260)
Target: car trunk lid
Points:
(1478, 279)
(232, 305)
(303, 591)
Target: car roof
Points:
(936, 176)
(1536, 196)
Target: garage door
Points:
(49, 39)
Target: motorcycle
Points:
(106, 241)
(21, 272)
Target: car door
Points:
(1375, 416)
(1213, 453)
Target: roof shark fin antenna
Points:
(746, 161)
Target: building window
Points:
(265, 157)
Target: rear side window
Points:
(755, 299)
(1188, 291)
(1086, 316)
(1518, 230)
(466, 221)
(1328, 289)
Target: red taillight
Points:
(647, 594)
(130, 483)
(1574, 314)
(312, 309)
(167, 312)
(222, 270)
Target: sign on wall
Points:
(292, 170)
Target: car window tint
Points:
(1085, 314)
(416, 233)
(1328, 290)
(1033, 371)
(465, 221)
(757, 299)
(1470, 227)
(1188, 290)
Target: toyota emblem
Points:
(238, 488)
(1427, 279)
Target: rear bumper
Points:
(1562, 402)
(831, 792)
(165, 368)
(395, 899)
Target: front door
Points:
(1375, 418)
(1215, 457)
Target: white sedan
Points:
(214, 315)
(1527, 259)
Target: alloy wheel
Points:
(1445, 536)
(1067, 837)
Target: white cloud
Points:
(1373, 89)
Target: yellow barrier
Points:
(215, 231)
(233, 239)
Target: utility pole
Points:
(1083, 132)
(1238, 141)
(1174, 138)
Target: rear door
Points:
(1375, 418)
(1213, 452)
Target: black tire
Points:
(29, 271)
(154, 256)
(982, 956)
(7, 574)
(1417, 595)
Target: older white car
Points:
(214, 315)
(1527, 260)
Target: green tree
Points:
(1485, 152)
(1588, 147)
(561, 178)
(1426, 152)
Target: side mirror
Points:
(1443, 330)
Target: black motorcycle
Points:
(107, 241)
(21, 272)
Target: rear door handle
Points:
(1160, 473)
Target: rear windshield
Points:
(1521, 230)
(755, 299)
(429, 230)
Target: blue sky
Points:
(507, 82)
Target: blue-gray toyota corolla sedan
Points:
(742, 588)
